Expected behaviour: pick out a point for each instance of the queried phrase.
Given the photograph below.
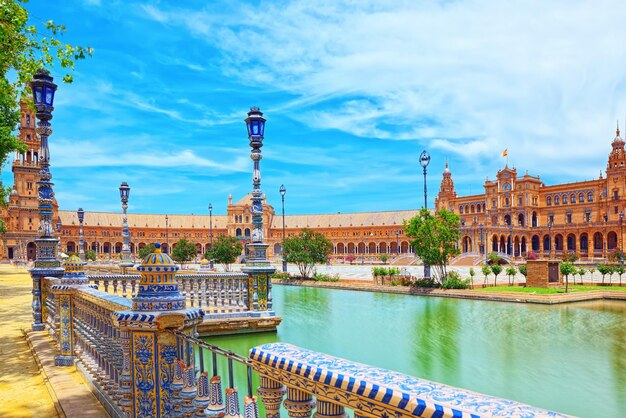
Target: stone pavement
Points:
(25, 390)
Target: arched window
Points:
(572, 198)
(549, 201)
(461, 209)
(27, 120)
(581, 198)
(556, 200)
(564, 199)
(590, 197)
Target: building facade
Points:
(518, 214)
(515, 215)
(355, 236)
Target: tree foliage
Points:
(496, 269)
(435, 238)
(510, 272)
(486, 272)
(567, 268)
(307, 249)
(225, 251)
(605, 269)
(184, 251)
(148, 249)
(90, 255)
(23, 51)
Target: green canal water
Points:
(568, 358)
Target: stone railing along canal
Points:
(135, 340)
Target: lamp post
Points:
(46, 263)
(257, 266)
(510, 240)
(81, 239)
(424, 160)
(126, 257)
(282, 191)
(211, 233)
(480, 228)
(167, 240)
(397, 243)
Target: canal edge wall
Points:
(514, 297)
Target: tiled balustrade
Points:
(213, 292)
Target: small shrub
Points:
(320, 277)
(569, 257)
(454, 281)
(428, 283)
(384, 258)
(523, 270)
(280, 275)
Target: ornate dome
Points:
(157, 261)
(447, 169)
(158, 289)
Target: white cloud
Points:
(543, 79)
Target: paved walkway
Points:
(25, 391)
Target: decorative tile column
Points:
(46, 263)
(64, 291)
(257, 266)
(157, 308)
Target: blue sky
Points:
(352, 91)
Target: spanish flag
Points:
(505, 152)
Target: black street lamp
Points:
(482, 248)
(282, 191)
(46, 264)
(81, 238)
(397, 243)
(211, 233)
(167, 240)
(424, 160)
(257, 266)
(126, 257)
(510, 240)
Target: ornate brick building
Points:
(514, 215)
(517, 214)
(364, 236)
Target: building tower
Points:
(21, 215)
(446, 191)
(616, 178)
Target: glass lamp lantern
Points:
(255, 123)
(81, 215)
(43, 89)
(124, 191)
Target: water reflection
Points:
(570, 358)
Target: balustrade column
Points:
(299, 404)
(126, 381)
(327, 409)
(153, 349)
(271, 393)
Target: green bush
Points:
(320, 277)
(454, 281)
(523, 270)
(280, 275)
(428, 283)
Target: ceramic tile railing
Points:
(213, 292)
(332, 385)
